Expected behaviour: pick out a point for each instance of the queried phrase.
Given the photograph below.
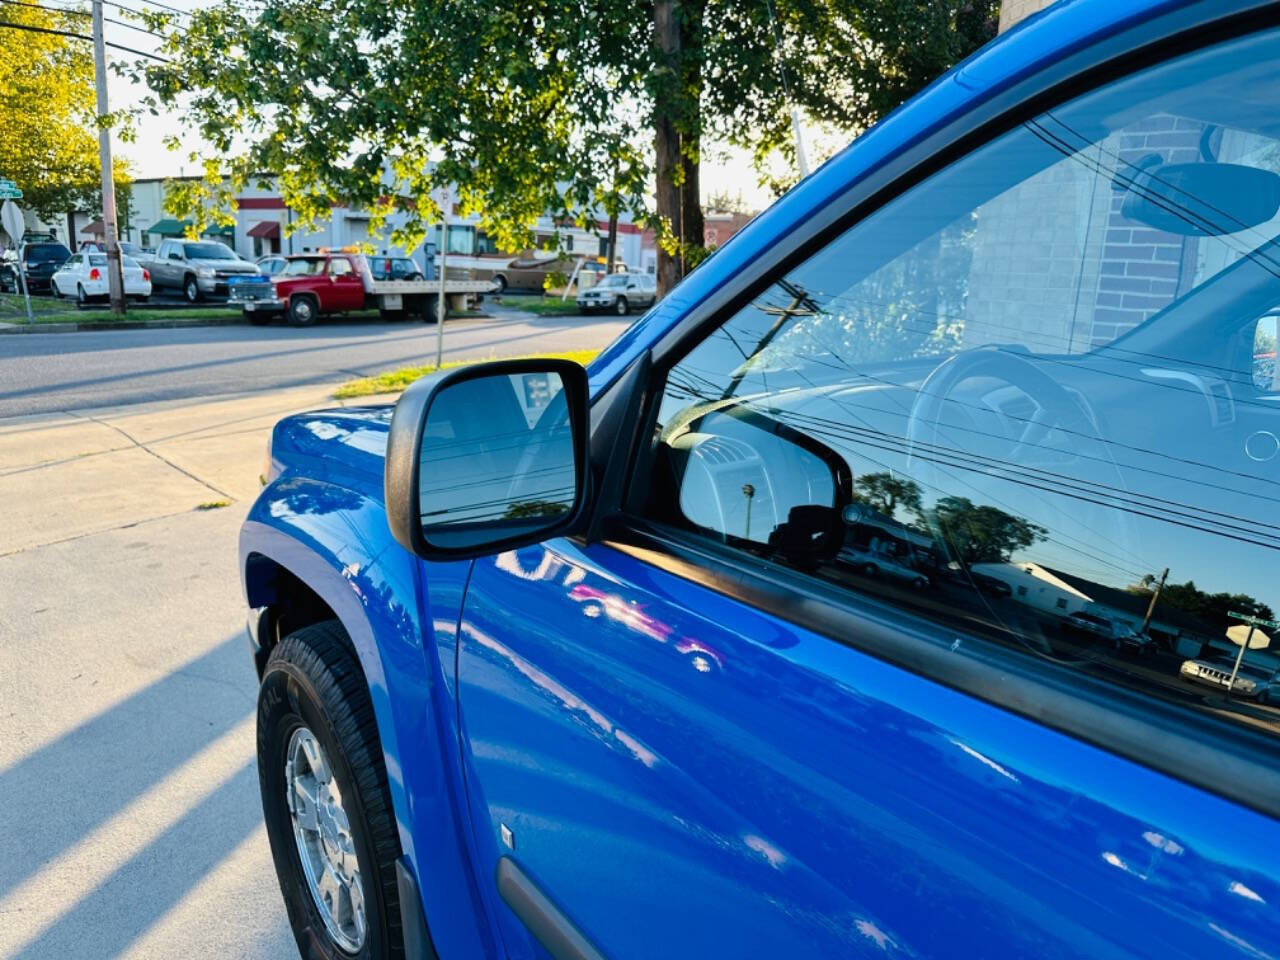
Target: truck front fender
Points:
(336, 542)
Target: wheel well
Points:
(289, 602)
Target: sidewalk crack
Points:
(161, 457)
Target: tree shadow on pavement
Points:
(53, 798)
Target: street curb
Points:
(84, 326)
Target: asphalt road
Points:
(43, 373)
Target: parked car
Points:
(456, 758)
(127, 247)
(393, 268)
(84, 276)
(876, 563)
(1090, 625)
(619, 293)
(271, 264)
(37, 263)
(991, 586)
(1252, 682)
(199, 268)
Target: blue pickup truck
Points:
(573, 663)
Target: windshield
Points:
(303, 267)
(617, 281)
(45, 252)
(208, 251)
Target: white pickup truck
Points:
(312, 285)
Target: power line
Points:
(80, 36)
(165, 6)
(82, 13)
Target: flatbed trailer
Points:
(330, 283)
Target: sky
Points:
(728, 171)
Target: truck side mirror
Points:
(488, 458)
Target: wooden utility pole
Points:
(1151, 607)
(612, 249)
(115, 278)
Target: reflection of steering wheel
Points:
(1055, 408)
(1055, 405)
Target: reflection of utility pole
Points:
(748, 491)
(802, 305)
(1151, 607)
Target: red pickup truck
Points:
(312, 285)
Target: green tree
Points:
(885, 492)
(981, 534)
(48, 136)
(547, 106)
(1212, 608)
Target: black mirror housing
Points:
(487, 458)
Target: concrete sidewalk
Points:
(71, 474)
(130, 822)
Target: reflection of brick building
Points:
(1143, 269)
(719, 227)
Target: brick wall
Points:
(1011, 11)
(1143, 269)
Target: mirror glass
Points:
(497, 460)
(1264, 355)
(744, 479)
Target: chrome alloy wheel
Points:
(325, 844)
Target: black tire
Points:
(312, 680)
(190, 289)
(303, 310)
(414, 276)
(53, 288)
(621, 307)
(82, 298)
(429, 309)
(501, 281)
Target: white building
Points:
(263, 219)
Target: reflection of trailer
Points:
(312, 285)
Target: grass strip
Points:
(393, 381)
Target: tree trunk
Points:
(692, 228)
(666, 140)
(612, 248)
(677, 31)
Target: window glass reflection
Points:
(1047, 375)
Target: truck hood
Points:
(345, 447)
(227, 266)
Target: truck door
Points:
(719, 731)
(345, 290)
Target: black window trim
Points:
(1221, 757)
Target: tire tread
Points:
(323, 652)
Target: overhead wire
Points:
(31, 28)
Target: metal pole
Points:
(440, 307)
(802, 161)
(22, 280)
(115, 278)
(1231, 684)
